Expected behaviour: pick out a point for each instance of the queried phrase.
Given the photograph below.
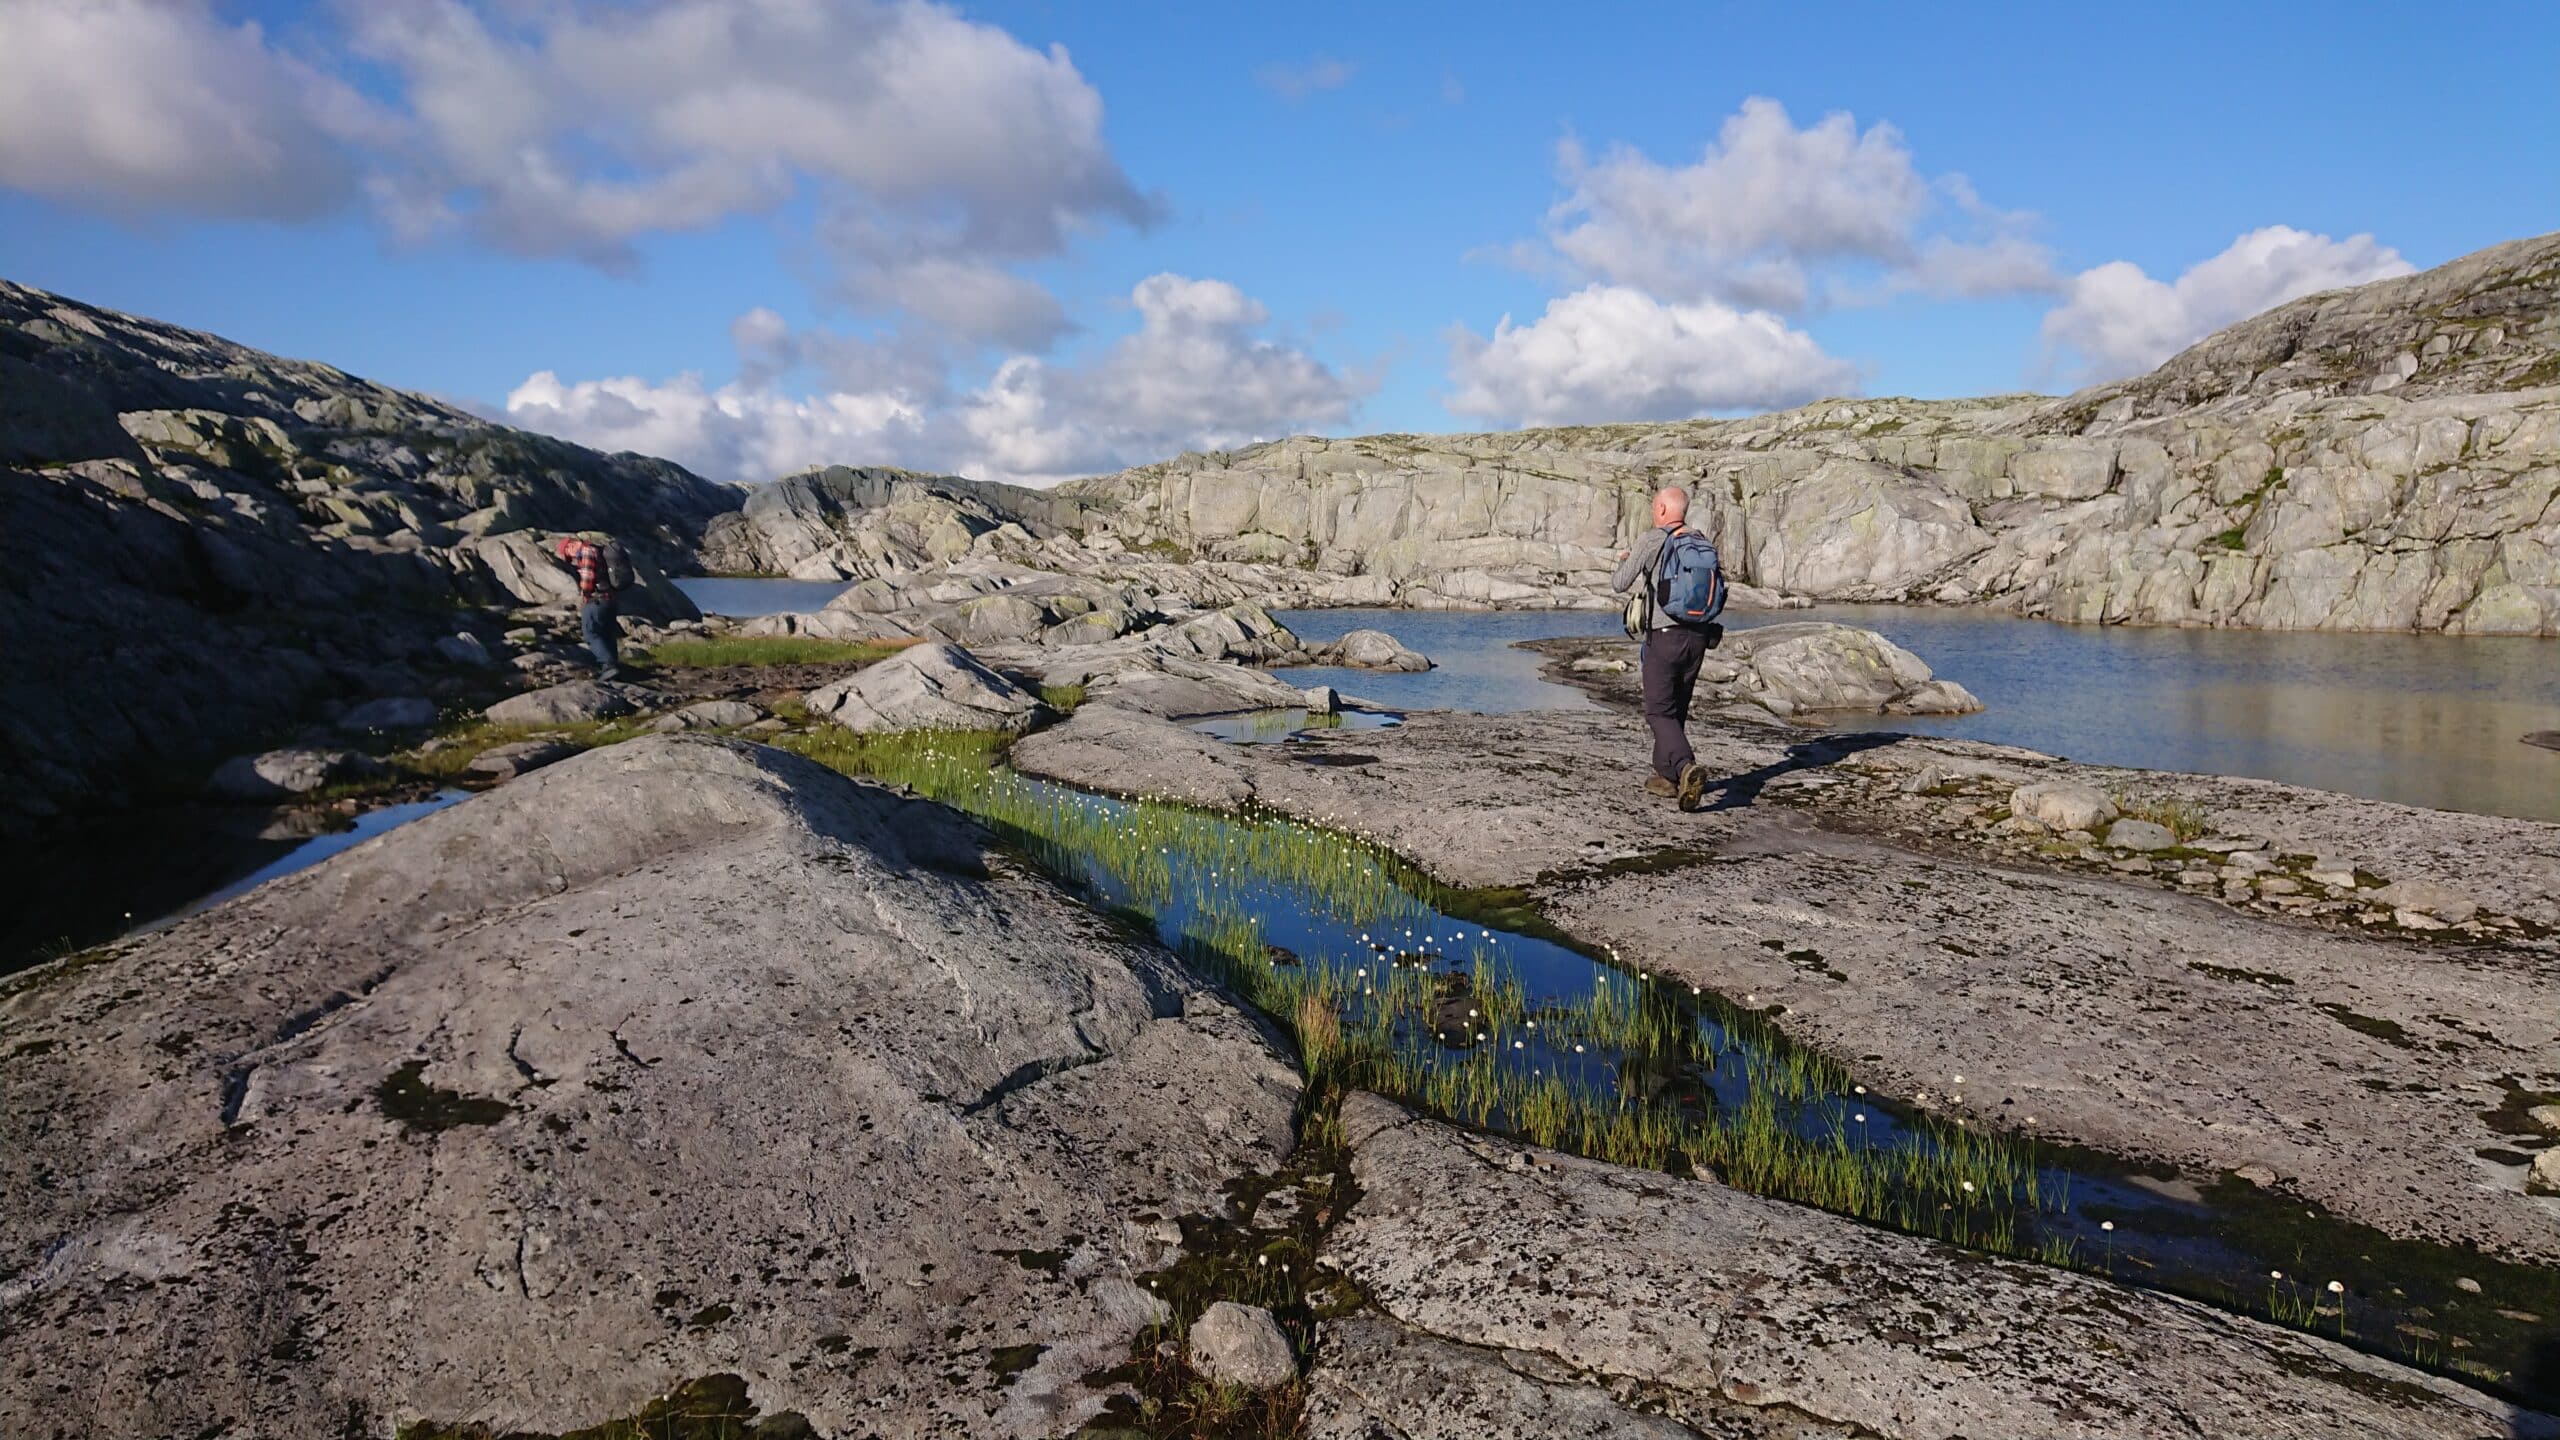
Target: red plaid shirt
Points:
(586, 561)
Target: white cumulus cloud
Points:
(1768, 204)
(1196, 374)
(1613, 352)
(143, 106)
(2119, 321)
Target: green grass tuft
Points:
(712, 652)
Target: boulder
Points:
(1321, 700)
(2063, 804)
(573, 702)
(1108, 747)
(1242, 1345)
(428, 1129)
(283, 774)
(927, 687)
(1372, 650)
(2143, 835)
(711, 715)
(1803, 666)
(2544, 1178)
(506, 762)
(398, 712)
(2432, 898)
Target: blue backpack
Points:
(1688, 584)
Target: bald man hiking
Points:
(1683, 593)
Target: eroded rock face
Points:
(1603, 1289)
(677, 1058)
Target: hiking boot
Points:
(1656, 785)
(1693, 785)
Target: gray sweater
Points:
(1638, 569)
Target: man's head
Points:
(1670, 505)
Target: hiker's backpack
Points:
(617, 566)
(1688, 582)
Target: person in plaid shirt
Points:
(596, 618)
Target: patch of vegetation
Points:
(451, 756)
(1166, 548)
(714, 1407)
(2184, 819)
(1062, 698)
(709, 652)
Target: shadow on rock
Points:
(1740, 792)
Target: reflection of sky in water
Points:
(2430, 720)
(746, 599)
(1476, 667)
(1275, 727)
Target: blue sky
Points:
(904, 234)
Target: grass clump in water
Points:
(1383, 991)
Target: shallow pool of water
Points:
(1474, 664)
(2433, 720)
(745, 599)
(134, 873)
(1450, 1002)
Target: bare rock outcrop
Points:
(1621, 1301)
(679, 1058)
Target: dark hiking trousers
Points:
(1671, 659)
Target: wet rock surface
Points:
(2135, 1012)
(1526, 1293)
(679, 1058)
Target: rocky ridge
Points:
(2380, 458)
(205, 545)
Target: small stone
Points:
(2143, 835)
(2257, 1174)
(2254, 861)
(2545, 1118)
(2467, 1285)
(2231, 844)
(2544, 1179)
(1322, 700)
(2079, 837)
(2279, 885)
(711, 715)
(2336, 874)
(464, 648)
(2136, 865)
(2428, 897)
(1241, 1345)
(2192, 879)
(2063, 804)
(2412, 920)
(1924, 779)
